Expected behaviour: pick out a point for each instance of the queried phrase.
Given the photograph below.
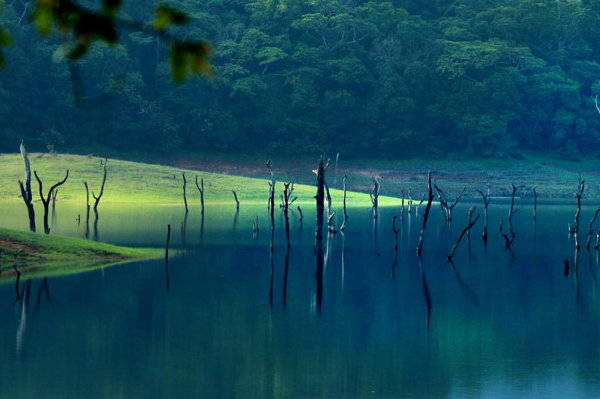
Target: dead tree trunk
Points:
(344, 203)
(26, 193)
(287, 193)
(330, 215)
(587, 246)
(578, 194)
(201, 191)
(375, 195)
(486, 202)
(101, 189)
(402, 214)
(237, 203)
(426, 215)
(466, 230)
(320, 197)
(87, 209)
(184, 194)
(46, 200)
(508, 240)
(447, 209)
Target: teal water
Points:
(225, 319)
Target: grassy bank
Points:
(31, 252)
(140, 183)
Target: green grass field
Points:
(31, 252)
(140, 183)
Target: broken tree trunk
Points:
(184, 194)
(237, 203)
(446, 208)
(578, 194)
(344, 203)
(466, 230)
(486, 202)
(201, 191)
(426, 215)
(101, 189)
(320, 198)
(587, 246)
(26, 189)
(375, 195)
(330, 225)
(87, 207)
(46, 200)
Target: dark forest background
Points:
(445, 78)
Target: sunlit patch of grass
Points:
(33, 251)
(140, 183)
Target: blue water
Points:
(226, 319)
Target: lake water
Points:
(225, 319)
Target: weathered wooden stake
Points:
(301, 215)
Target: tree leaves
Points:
(5, 41)
(190, 58)
(167, 16)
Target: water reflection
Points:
(494, 324)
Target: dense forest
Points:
(442, 78)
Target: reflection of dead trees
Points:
(26, 193)
(320, 199)
(396, 232)
(426, 215)
(447, 208)
(167, 257)
(46, 200)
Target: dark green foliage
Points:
(398, 78)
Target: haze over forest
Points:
(465, 78)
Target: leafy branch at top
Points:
(84, 26)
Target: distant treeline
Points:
(399, 78)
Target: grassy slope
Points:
(29, 250)
(140, 183)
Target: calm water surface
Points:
(225, 319)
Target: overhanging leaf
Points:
(190, 57)
(166, 16)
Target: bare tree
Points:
(46, 200)
(426, 215)
(26, 193)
